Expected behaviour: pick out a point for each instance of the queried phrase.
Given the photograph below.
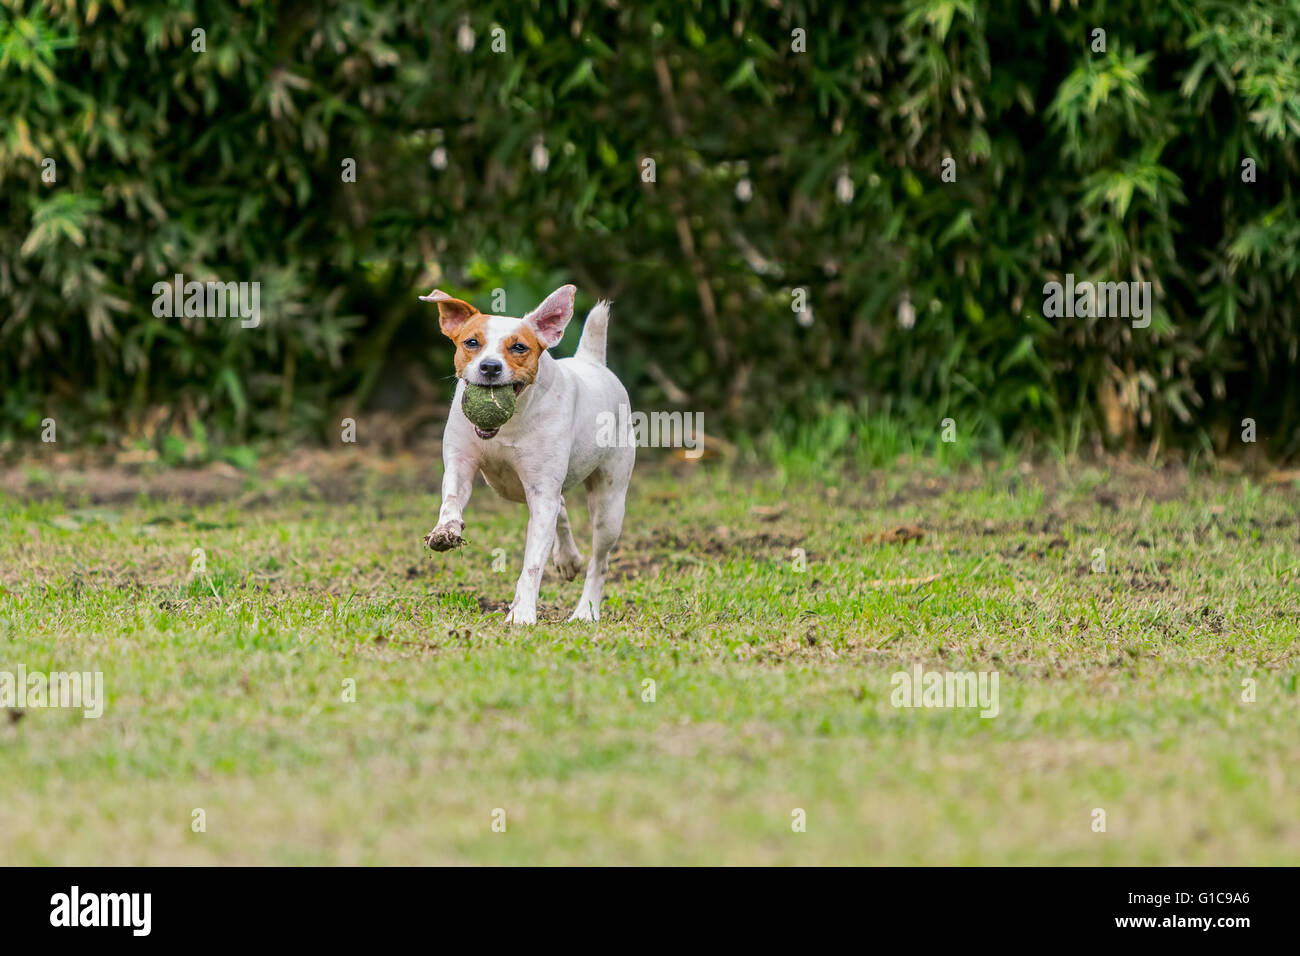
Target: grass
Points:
(1120, 691)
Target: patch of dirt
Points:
(1159, 585)
(666, 548)
(485, 605)
(315, 474)
(901, 534)
(356, 472)
(720, 541)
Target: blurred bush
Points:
(504, 145)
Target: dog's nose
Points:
(490, 368)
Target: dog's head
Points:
(497, 349)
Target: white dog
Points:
(548, 446)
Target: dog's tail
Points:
(592, 344)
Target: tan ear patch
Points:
(452, 313)
(522, 364)
(472, 329)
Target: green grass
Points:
(1119, 690)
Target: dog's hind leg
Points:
(606, 495)
(565, 554)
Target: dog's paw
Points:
(568, 564)
(522, 615)
(586, 612)
(446, 536)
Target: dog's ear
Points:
(452, 313)
(550, 318)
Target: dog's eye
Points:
(519, 347)
(471, 343)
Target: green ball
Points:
(488, 406)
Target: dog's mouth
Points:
(518, 385)
(486, 433)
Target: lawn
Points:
(326, 691)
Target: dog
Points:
(553, 442)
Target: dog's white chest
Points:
(502, 478)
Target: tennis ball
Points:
(488, 406)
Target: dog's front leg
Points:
(457, 485)
(543, 510)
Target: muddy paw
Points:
(446, 536)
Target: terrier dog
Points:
(553, 441)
